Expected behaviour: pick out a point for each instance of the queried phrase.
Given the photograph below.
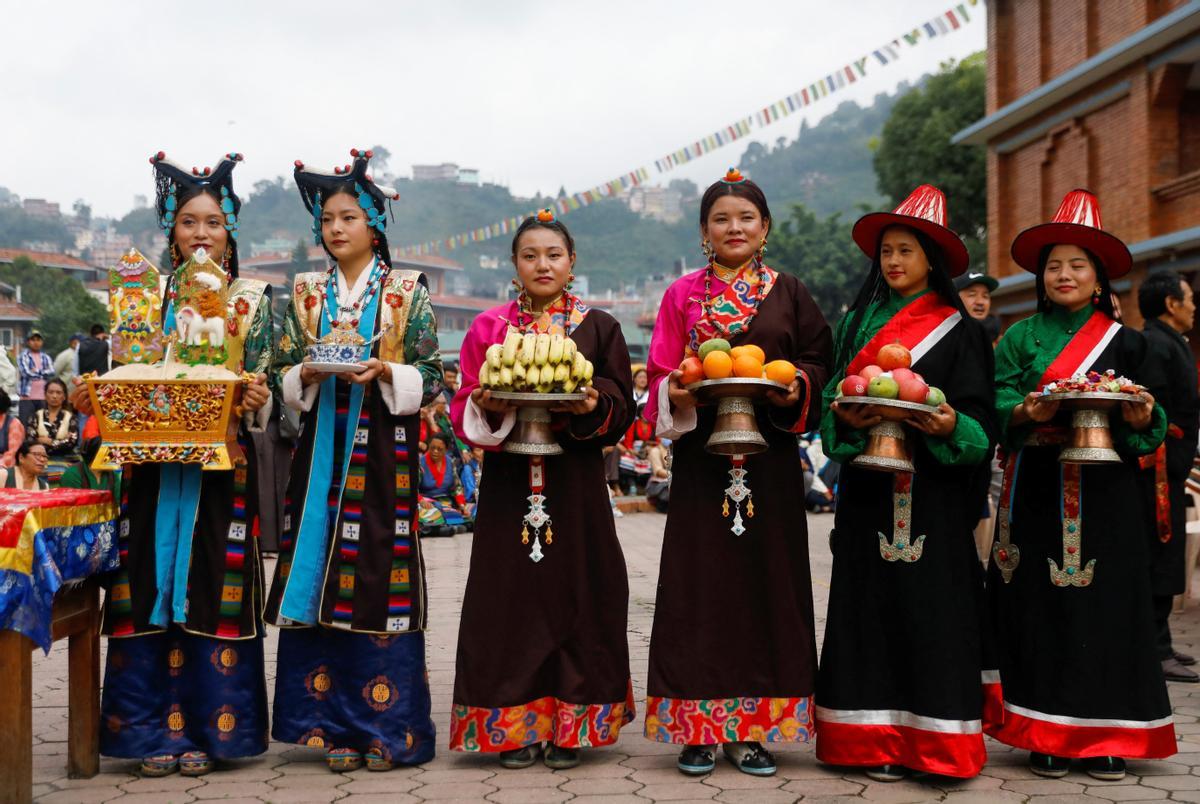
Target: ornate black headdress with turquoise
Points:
(174, 185)
(316, 185)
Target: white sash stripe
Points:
(1094, 355)
(931, 340)
(896, 717)
(1088, 722)
(991, 676)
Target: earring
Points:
(1096, 296)
(516, 286)
(175, 259)
(225, 262)
(707, 248)
(570, 279)
(762, 249)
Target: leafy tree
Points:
(821, 252)
(915, 149)
(83, 211)
(66, 306)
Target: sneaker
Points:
(1173, 670)
(520, 757)
(750, 758)
(1106, 769)
(1048, 766)
(696, 760)
(559, 758)
(887, 773)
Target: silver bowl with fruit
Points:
(895, 395)
(535, 372)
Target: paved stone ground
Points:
(633, 770)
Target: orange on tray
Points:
(718, 365)
(747, 365)
(780, 371)
(749, 349)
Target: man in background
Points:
(1166, 303)
(35, 368)
(93, 351)
(66, 362)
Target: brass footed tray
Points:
(887, 448)
(736, 429)
(1091, 438)
(532, 435)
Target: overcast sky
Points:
(534, 95)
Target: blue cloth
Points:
(336, 689)
(429, 485)
(172, 692)
(174, 524)
(302, 594)
(59, 555)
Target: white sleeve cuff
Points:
(257, 422)
(477, 429)
(672, 426)
(295, 395)
(403, 394)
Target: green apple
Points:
(883, 387)
(935, 397)
(713, 345)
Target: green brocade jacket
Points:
(966, 446)
(1022, 357)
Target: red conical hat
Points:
(925, 211)
(1077, 223)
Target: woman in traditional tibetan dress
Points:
(443, 501)
(349, 588)
(542, 647)
(901, 684)
(1068, 582)
(733, 654)
(184, 682)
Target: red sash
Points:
(917, 327)
(1082, 350)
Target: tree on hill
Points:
(822, 254)
(17, 228)
(915, 149)
(66, 306)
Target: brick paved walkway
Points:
(633, 770)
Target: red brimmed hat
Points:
(925, 211)
(1076, 223)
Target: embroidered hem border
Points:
(568, 725)
(703, 721)
(1076, 738)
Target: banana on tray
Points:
(535, 363)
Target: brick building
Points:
(1101, 94)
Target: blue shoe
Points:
(696, 760)
(750, 758)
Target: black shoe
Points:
(1173, 670)
(521, 757)
(1048, 766)
(1184, 659)
(750, 758)
(887, 773)
(696, 760)
(1106, 769)
(559, 758)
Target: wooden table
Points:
(76, 618)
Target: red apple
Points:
(893, 356)
(903, 375)
(870, 373)
(854, 385)
(693, 371)
(913, 390)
